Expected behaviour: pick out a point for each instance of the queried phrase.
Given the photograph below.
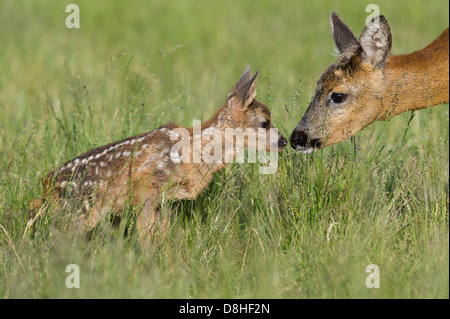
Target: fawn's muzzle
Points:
(282, 142)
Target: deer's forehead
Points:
(259, 109)
(262, 112)
(343, 72)
(329, 79)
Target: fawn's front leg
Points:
(89, 218)
(149, 221)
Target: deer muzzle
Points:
(301, 142)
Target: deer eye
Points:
(338, 97)
(265, 124)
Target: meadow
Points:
(307, 231)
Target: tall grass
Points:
(307, 231)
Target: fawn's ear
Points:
(376, 41)
(342, 35)
(245, 77)
(244, 92)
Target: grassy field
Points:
(308, 231)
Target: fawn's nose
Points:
(301, 141)
(282, 142)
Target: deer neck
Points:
(417, 80)
(211, 136)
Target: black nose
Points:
(299, 139)
(282, 142)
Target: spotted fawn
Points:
(143, 170)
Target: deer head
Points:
(349, 93)
(243, 111)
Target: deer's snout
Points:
(282, 142)
(300, 141)
(276, 142)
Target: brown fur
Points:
(377, 86)
(138, 170)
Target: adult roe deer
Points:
(141, 170)
(367, 84)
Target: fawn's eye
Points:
(338, 97)
(265, 124)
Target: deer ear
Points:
(245, 77)
(342, 35)
(376, 41)
(248, 91)
(243, 93)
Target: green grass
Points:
(308, 231)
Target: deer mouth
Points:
(304, 150)
(308, 148)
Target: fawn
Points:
(144, 169)
(366, 84)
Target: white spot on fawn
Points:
(173, 135)
(208, 131)
(175, 157)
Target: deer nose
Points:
(282, 142)
(298, 139)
